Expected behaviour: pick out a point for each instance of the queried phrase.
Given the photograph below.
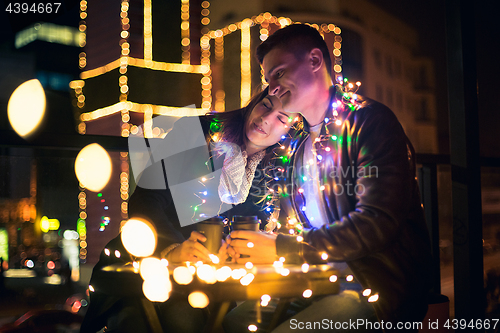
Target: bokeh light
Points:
(139, 237)
(157, 289)
(182, 275)
(198, 299)
(152, 268)
(93, 167)
(26, 107)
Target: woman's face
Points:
(267, 123)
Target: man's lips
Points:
(259, 129)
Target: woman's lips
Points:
(259, 129)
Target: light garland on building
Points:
(148, 31)
(205, 20)
(246, 74)
(143, 108)
(81, 225)
(82, 62)
(123, 80)
(263, 20)
(185, 40)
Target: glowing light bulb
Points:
(305, 268)
(252, 328)
(206, 273)
(223, 273)
(247, 279)
(367, 292)
(139, 237)
(237, 274)
(26, 107)
(93, 167)
(349, 278)
(333, 278)
(157, 289)
(198, 299)
(182, 275)
(373, 298)
(214, 258)
(152, 268)
(307, 293)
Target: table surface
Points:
(124, 280)
(267, 280)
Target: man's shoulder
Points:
(365, 107)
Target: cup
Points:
(245, 223)
(212, 229)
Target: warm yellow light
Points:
(139, 237)
(285, 272)
(247, 279)
(26, 107)
(206, 273)
(198, 299)
(238, 273)
(93, 167)
(373, 298)
(252, 328)
(214, 258)
(305, 268)
(333, 278)
(152, 268)
(157, 289)
(367, 292)
(47, 224)
(307, 293)
(182, 275)
(223, 273)
(349, 278)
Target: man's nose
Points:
(273, 87)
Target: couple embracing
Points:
(377, 232)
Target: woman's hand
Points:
(260, 247)
(190, 250)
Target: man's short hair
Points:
(298, 39)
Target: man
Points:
(353, 188)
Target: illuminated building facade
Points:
(37, 187)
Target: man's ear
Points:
(316, 59)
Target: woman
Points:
(252, 134)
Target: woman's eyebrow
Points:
(267, 98)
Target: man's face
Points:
(290, 79)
